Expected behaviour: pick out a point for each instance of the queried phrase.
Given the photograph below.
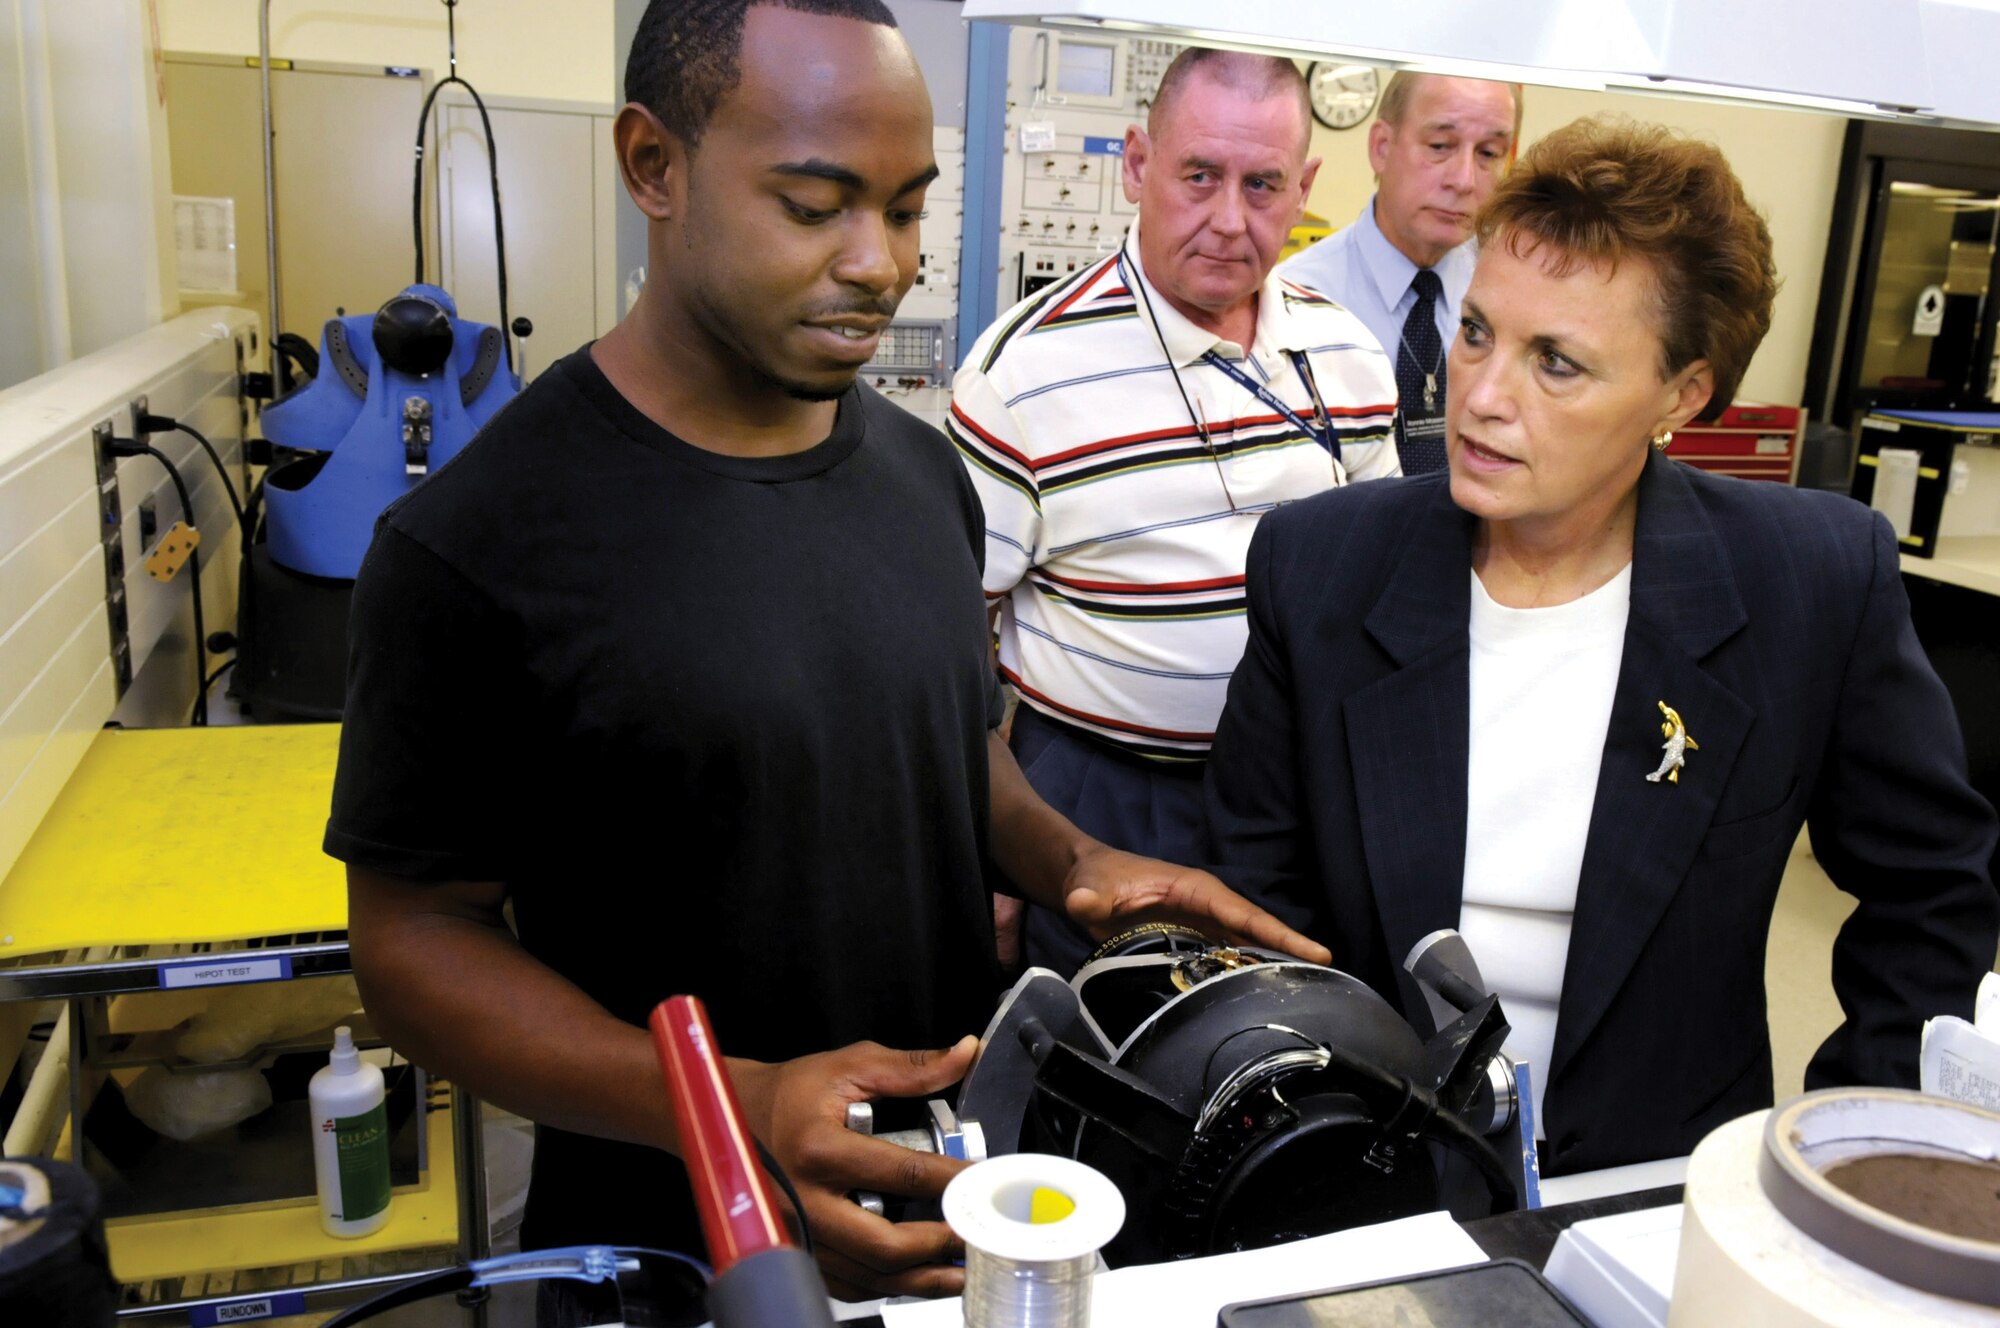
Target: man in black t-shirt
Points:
(685, 656)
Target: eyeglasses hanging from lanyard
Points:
(1321, 432)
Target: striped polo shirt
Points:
(1115, 532)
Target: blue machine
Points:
(398, 393)
(392, 396)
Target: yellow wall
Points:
(1787, 160)
(506, 48)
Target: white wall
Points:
(87, 221)
(511, 48)
(29, 343)
(111, 143)
(1788, 161)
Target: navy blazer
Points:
(1774, 621)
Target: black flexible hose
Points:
(418, 1289)
(1456, 1135)
(159, 423)
(777, 1173)
(1443, 1126)
(208, 683)
(653, 1263)
(493, 170)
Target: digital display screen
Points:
(1084, 69)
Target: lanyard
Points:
(1323, 434)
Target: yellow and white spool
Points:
(1032, 1226)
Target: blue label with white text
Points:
(1104, 147)
(248, 1310)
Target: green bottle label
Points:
(362, 1144)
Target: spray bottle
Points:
(350, 1142)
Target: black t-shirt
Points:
(718, 723)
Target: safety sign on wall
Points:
(1930, 312)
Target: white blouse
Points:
(1542, 685)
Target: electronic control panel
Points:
(1070, 99)
(921, 345)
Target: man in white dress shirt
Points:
(1437, 147)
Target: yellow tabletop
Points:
(176, 835)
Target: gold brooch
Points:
(1678, 744)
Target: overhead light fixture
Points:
(1418, 62)
(1962, 38)
(1761, 98)
(1862, 58)
(1918, 189)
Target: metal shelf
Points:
(185, 859)
(66, 975)
(172, 1263)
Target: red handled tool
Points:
(761, 1277)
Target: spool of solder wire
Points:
(1032, 1226)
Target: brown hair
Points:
(1606, 190)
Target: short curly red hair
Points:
(1606, 190)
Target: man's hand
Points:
(1108, 891)
(799, 1109)
(1105, 890)
(1009, 914)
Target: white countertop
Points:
(1189, 1293)
(1972, 561)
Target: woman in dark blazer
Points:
(1420, 735)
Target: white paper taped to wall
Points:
(205, 241)
(1896, 486)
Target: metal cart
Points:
(178, 859)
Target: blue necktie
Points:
(1420, 381)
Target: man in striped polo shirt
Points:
(1127, 427)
